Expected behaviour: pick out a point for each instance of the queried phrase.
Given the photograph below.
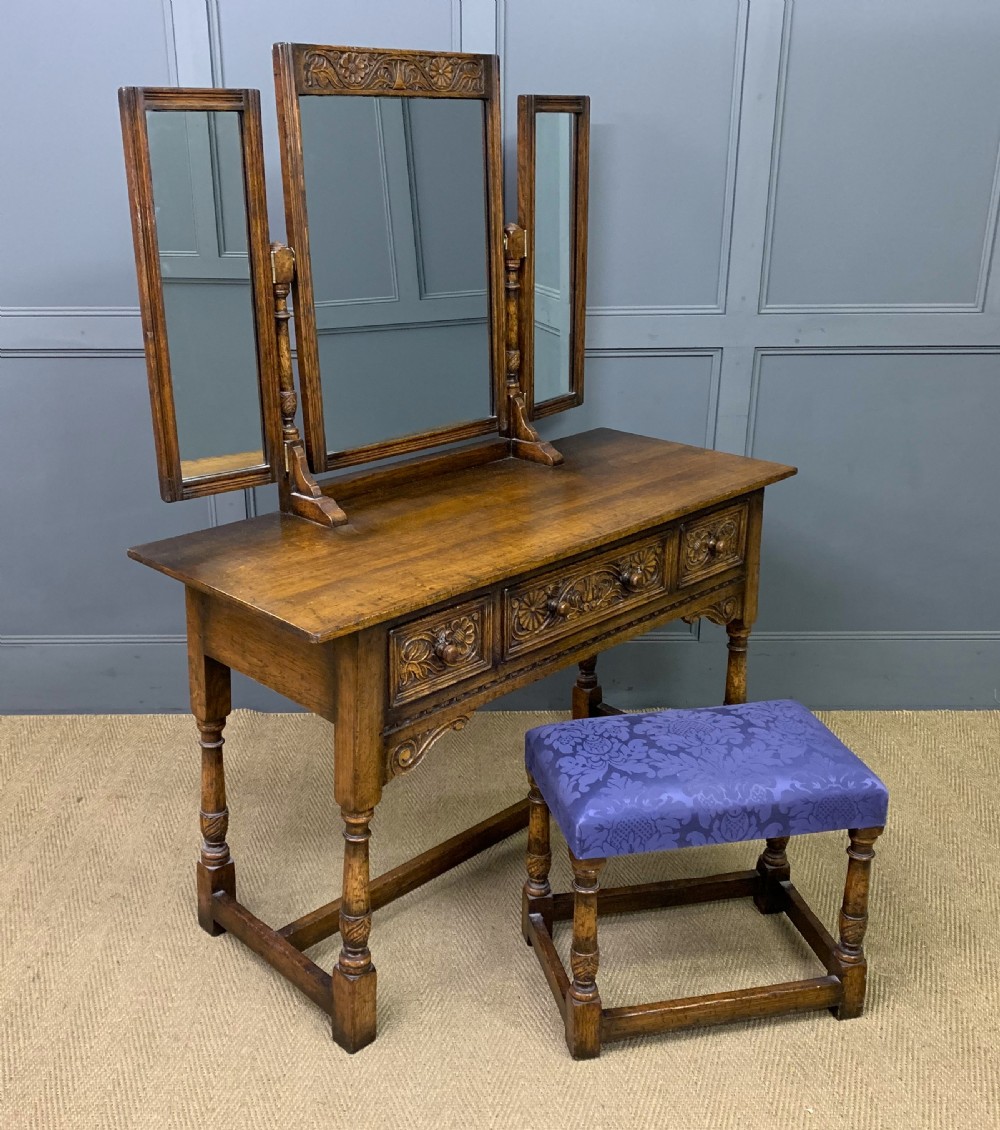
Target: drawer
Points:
(439, 650)
(712, 544)
(555, 604)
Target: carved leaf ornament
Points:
(380, 70)
(411, 752)
(720, 612)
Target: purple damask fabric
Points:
(633, 783)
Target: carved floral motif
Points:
(429, 654)
(424, 655)
(529, 612)
(705, 542)
(534, 609)
(713, 544)
(409, 753)
(382, 70)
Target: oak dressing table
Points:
(395, 600)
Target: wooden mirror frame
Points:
(314, 69)
(134, 101)
(528, 107)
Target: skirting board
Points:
(823, 672)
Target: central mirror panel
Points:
(392, 175)
(396, 201)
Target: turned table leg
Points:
(210, 703)
(359, 670)
(583, 1000)
(587, 694)
(354, 978)
(849, 950)
(216, 871)
(537, 894)
(736, 666)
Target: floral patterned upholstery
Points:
(632, 783)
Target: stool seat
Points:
(632, 783)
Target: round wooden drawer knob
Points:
(633, 580)
(560, 608)
(449, 653)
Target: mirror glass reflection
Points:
(196, 161)
(396, 201)
(554, 176)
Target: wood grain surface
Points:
(434, 539)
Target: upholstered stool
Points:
(632, 783)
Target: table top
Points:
(435, 538)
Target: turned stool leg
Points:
(772, 866)
(587, 693)
(583, 1001)
(537, 895)
(354, 978)
(849, 950)
(736, 665)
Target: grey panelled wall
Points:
(82, 628)
(793, 215)
(792, 231)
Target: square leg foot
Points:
(210, 880)
(352, 1018)
(583, 1028)
(848, 1012)
(854, 980)
(770, 897)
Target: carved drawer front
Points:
(554, 605)
(440, 650)
(712, 544)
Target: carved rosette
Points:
(371, 71)
(721, 611)
(545, 606)
(411, 752)
(439, 651)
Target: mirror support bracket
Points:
(298, 491)
(524, 440)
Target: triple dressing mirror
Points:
(419, 323)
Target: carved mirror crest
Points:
(196, 187)
(392, 171)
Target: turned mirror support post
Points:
(525, 442)
(297, 489)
